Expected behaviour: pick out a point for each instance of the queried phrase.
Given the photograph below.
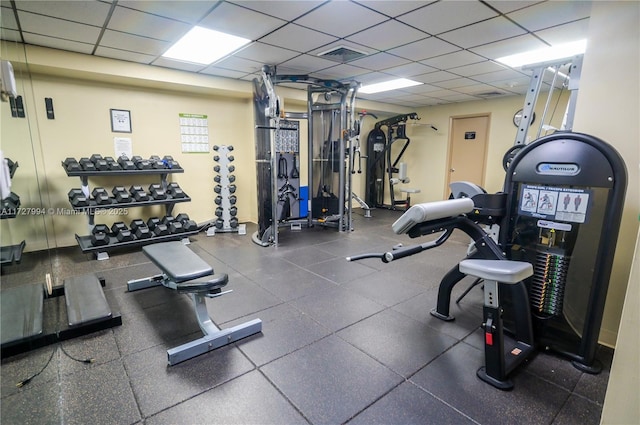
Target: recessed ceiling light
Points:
(546, 54)
(204, 46)
(388, 85)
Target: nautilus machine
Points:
(559, 214)
(383, 170)
(332, 127)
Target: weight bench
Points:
(185, 272)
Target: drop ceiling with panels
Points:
(450, 46)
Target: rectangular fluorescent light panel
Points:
(545, 54)
(204, 46)
(388, 85)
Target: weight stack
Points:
(546, 292)
(224, 191)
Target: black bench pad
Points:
(177, 261)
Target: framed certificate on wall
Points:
(120, 121)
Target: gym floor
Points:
(342, 342)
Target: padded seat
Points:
(177, 261)
(503, 271)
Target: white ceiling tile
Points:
(573, 31)
(10, 35)
(341, 72)
(184, 66)
(434, 77)
(222, 72)
(8, 19)
(489, 31)
(409, 70)
(442, 93)
(238, 64)
(509, 47)
(146, 24)
(379, 61)
(82, 11)
(239, 21)
(58, 43)
(124, 55)
(266, 53)
(133, 43)
(52, 27)
(283, 9)
(372, 77)
(506, 6)
(392, 8)
(444, 16)
(459, 97)
(424, 49)
(340, 18)
(505, 75)
(478, 89)
(452, 60)
(454, 84)
(421, 89)
(184, 10)
(478, 68)
(551, 13)
(300, 39)
(308, 63)
(387, 35)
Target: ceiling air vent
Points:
(342, 54)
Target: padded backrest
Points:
(428, 211)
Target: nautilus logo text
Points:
(558, 169)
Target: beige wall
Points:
(609, 107)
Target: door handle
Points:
(452, 169)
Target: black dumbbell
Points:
(182, 217)
(219, 223)
(11, 202)
(137, 223)
(216, 158)
(233, 199)
(126, 163)
(78, 198)
(230, 148)
(231, 178)
(138, 193)
(231, 168)
(233, 223)
(100, 239)
(217, 188)
(101, 196)
(216, 168)
(86, 164)
(170, 162)
(176, 191)
(161, 230)
(121, 194)
(218, 200)
(157, 192)
(175, 227)
(71, 164)
(135, 159)
(112, 164)
(232, 188)
(140, 229)
(233, 211)
(101, 165)
(217, 178)
(167, 219)
(144, 164)
(95, 157)
(100, 228)
(117, 227)
(219, 211)
(230, 158)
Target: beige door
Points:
(468, 148)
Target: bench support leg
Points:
(213, 336)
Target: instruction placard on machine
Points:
(555, 203)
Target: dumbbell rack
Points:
(225, 199)
(12, 253)
(85, 242)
